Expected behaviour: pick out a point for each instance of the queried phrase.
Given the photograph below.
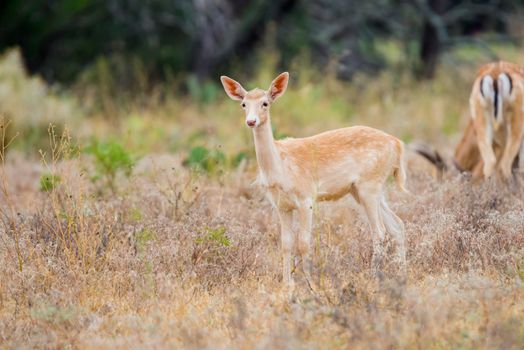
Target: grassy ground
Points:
(143, 229)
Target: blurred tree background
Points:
(160, 39)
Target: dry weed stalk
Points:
(8, 213)
(69, 217)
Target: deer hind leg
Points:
(512, 148)
(484, 131)
(370, 199)
(305, 217)
(287, 239)
(521, 157)
(395, 227)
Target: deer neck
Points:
(268, 157)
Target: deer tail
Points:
(400, 170)
(431, 155)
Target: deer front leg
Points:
(305, 218)
(513, 144)
(286, 236)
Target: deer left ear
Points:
(278, 86)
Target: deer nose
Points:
(251, 123)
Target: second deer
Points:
(299, 172)
(493, 139)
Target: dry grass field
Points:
(140, 227)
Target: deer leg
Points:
(395, 227)
(513, 145)
(521, 157)
(305, 217)
(467, 155)
(287, 239)
(485, 143)
(370, 200)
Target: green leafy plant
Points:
(49, 181)
(211, 160)
(110, 159)
(211, 245)
(238, 158)
(142, 237)
(135, 214)
(202, 158)
(214, 236)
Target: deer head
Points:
(256, 103)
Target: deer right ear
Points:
(233, 88)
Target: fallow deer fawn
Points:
(494, 135)
(299, 172)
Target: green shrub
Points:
(238, 158)
(214, 236)
(110, 159)
(210, 161)
(202, 158)
(135, 214)
(49, 181)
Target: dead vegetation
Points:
(175, 256)
(138, 269)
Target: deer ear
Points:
(233, 88)
(278, 86)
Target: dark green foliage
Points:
(161, 39)
(60, 38)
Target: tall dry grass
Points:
(177, 258)
(142, 269)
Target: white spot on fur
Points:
(504, 89)
(486, 88)
(504, 85)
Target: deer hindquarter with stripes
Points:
(497, 112)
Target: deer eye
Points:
(264, 104)
(243, 105)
